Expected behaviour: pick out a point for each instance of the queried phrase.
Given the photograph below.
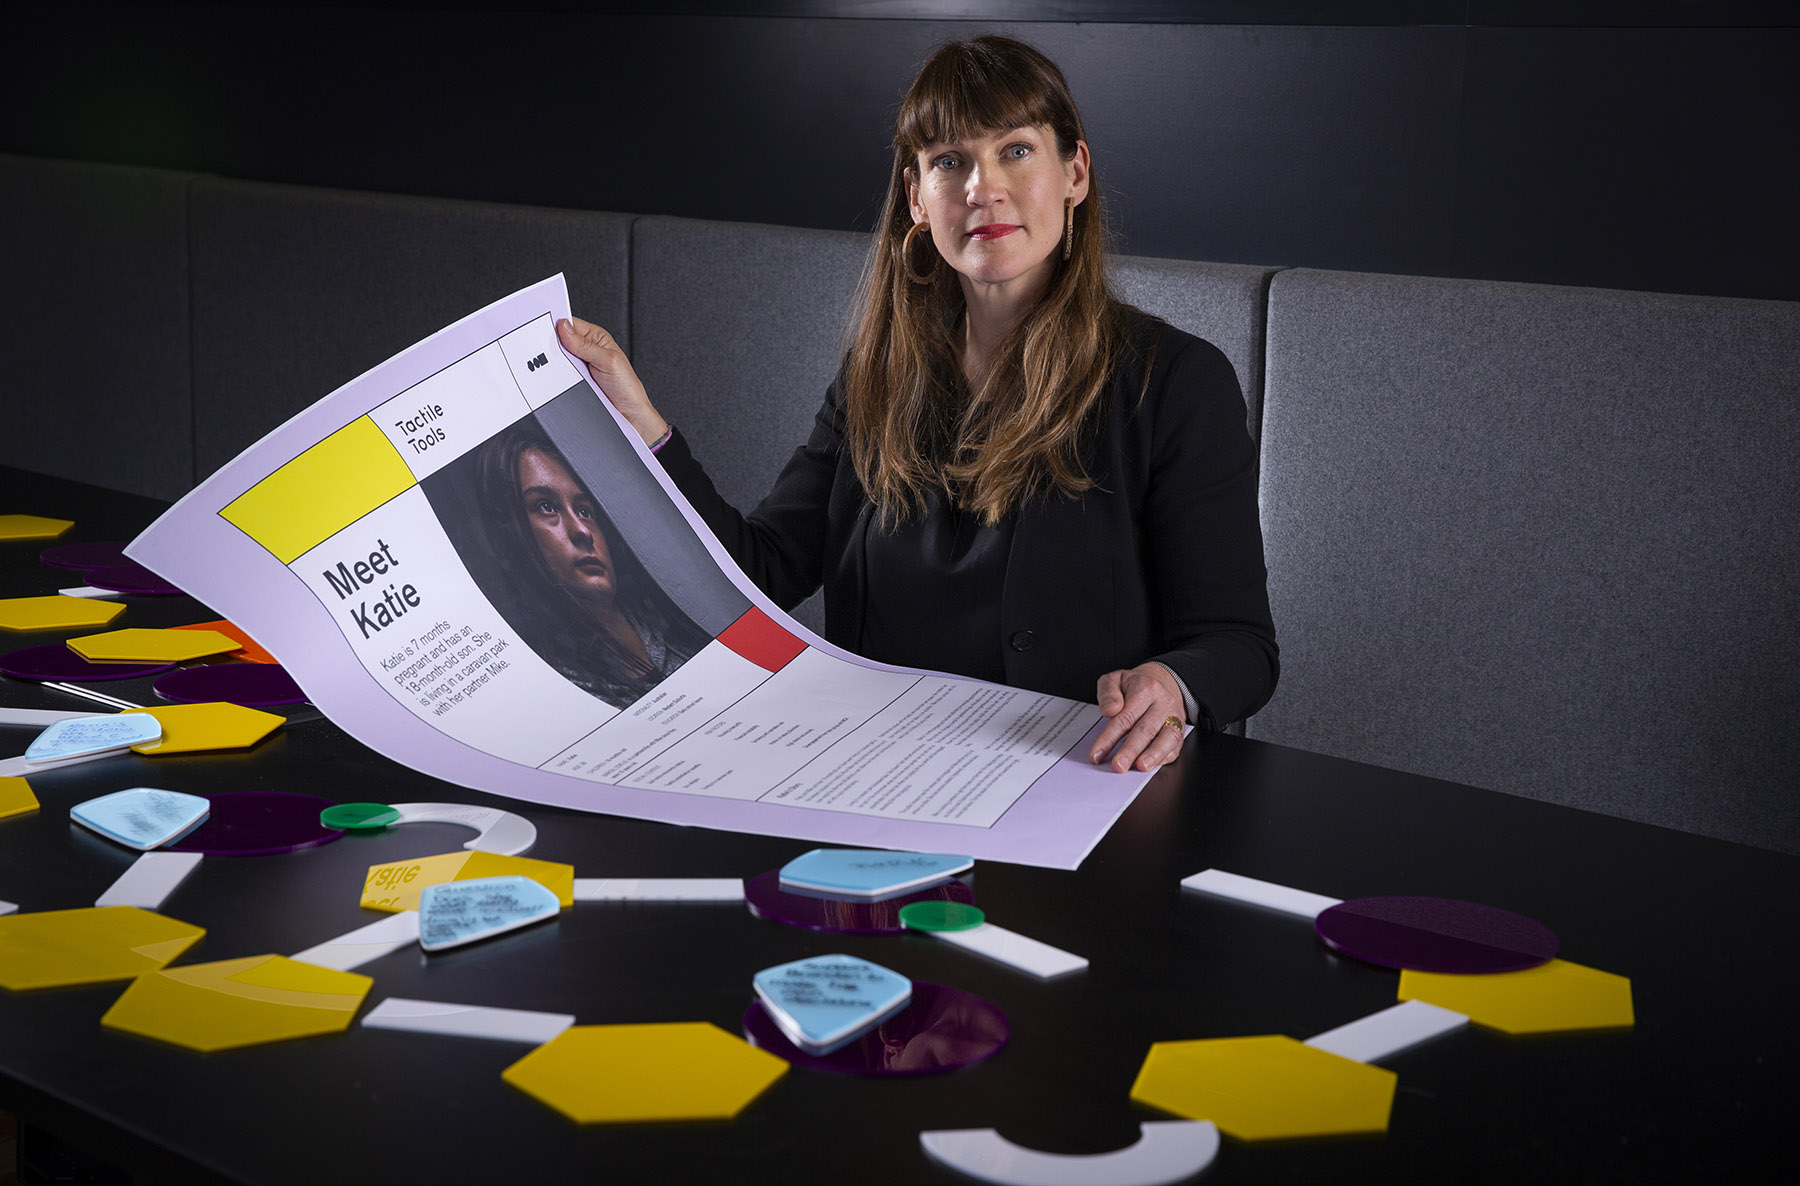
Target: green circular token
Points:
(941, 916)
(358, 817)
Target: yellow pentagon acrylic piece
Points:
(396, 886)
(1265, 1088)
(191, 727)
(1555, 996)
(63, 948)
(240, 1002)
(16, 797)
(56, 612)
(634, 1074)
(152, 646)
(32, 527)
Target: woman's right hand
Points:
(612, 373)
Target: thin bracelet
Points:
(662, 440)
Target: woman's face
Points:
(995, 204)
(566, 525)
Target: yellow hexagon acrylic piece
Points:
(396, 886)
(1555, 996)
(1265, 1088)
(62, 948)
(32, 527)
(16, 797)
(152, 646)
(630, 1074)
(217, 725)
(240, 1002)
(56, 612)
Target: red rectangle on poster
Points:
(757, 638)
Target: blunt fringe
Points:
(910, 424)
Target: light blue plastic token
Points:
(829, 1001)
(458, 912)
(142, 817)
(93, 735)
(868, 874)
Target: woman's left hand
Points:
(1140, 702)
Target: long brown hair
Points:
(911, 425)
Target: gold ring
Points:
(1173, 722)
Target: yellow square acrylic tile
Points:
(16, 797)
(56, 612)
(32, 527)
(239, 1002)
(191, 727)
(396, 886)
(61, 948)
(152, 646)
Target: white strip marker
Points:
(358, 947)
(1259, 893)
(150, 879)
(658, 889)
(96, 696)
(1014, 949)
(8, 907)
(467, 1021)
(42, 716)
(503, 832)
(1165, 1151)
(18, 767)
(88, 591)
(1384, 1034)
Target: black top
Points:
(948, 559)
(1162, 560)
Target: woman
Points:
(1071, 475)
(576, 594)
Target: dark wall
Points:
(1499, 140)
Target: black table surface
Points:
(1703, 1086)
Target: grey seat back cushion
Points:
(1222, 303)
(737, 330)
(298, 291)
(1540, 540)
(93, 293)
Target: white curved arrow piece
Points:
(501, 831)
(1166, 1151)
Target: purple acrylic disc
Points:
(85, 556)
(259, 824)
(252, 685)
(129, 578)
(766, 899)
(1436, 935)
(940, 1029)
(57, 661)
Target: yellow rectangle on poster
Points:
(322, 491)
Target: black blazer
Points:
(1162, 560)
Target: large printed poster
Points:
(472, 565)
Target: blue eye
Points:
(947, 161)
(1018, 152)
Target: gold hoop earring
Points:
(906, 254)
(1068, 228)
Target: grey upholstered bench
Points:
(1531, 538)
